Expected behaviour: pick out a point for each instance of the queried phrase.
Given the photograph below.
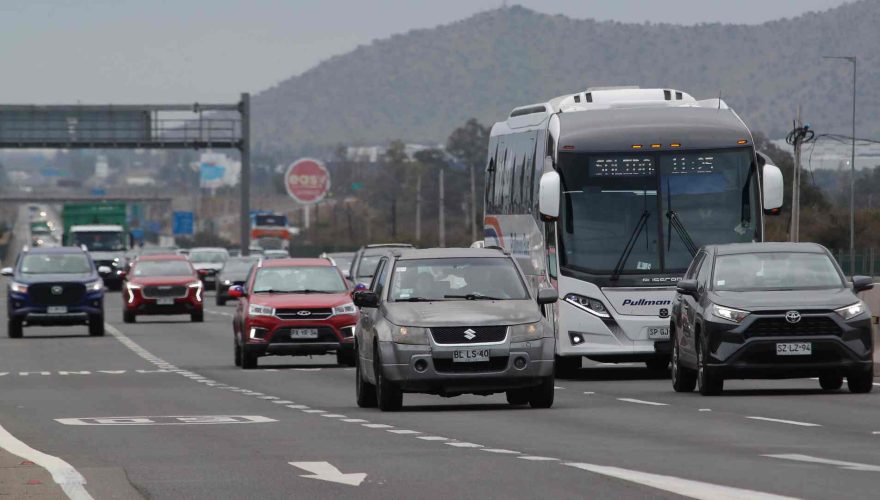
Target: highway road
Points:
(157, 409)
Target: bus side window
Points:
(515, 175)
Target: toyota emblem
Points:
(56, 290)
(303, 313)
(792, 317)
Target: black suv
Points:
(54, 286)
(770, 310)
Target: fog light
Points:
(576, 338)
(421, 365)
(519, 363)
(258, 333)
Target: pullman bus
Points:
(607, 194)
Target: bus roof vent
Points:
(621, 97)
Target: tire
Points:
(96, 325)
(389, 397)
(237, 351)
(658, 364)
(542, 395)
(219, 299)
(518, 397)
(128, 317)
(248, 359)
(861, 382)
(683, 379)
(345, 358)
(14, 328)
(197, 316)
(708, 383)
(831, 381)
(567, 366)
(365, 391)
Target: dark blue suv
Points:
(54, 286)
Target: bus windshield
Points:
(647, 213)
(100, 241)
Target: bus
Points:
(269, 231)
(607, 194)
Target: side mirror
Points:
(548, 196)
(547, 296)
(772, 187)
(236, 291)
(862, 283)
(687, 287)
(6, 271)
(366, 298)
(104, 270)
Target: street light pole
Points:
(852, 172)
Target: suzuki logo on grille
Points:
(303, 313)
(792, 317)
(470, 334)
(56, 290)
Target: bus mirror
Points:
(548, 196)
(772, 177)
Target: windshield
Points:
(342, 261)
(209, 256)
(158, 251)
(100, 241)
(270, 243)
(647, 213)
(456, 279)
(316, 279)
(775, 271)
(368, 266)
(62, 263)
(236, 266)
(151, 268)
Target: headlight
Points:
(227, 282)
(347, 308)
(258, 310)
(522, 333)
(729, 314)
(409, 335)
(18, 287)
(852, 311)
(591, 305)
(95, 286)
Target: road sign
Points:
(183, 223)
(307, 181)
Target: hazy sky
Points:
(127, 51)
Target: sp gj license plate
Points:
(658, 333)
(470, 355)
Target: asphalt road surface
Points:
(157, 409)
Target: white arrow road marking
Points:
(677, 485)
(839, 463)
(326, 472)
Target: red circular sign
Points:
(307, 181)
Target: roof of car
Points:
(444, 253)
(161, 257)
(742, 248)
(389, 245)
(208, 249)
(296, 263)
(42, 250)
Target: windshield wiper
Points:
(627, 250)
(675, 223)
(415, 299)
(472, 296)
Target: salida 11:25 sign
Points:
(307, 181)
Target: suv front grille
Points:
(164, 291)
(808, 325)
(468, 335)
(304, 313)
(68, 293)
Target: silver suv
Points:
(450, 322)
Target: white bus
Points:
(607, 194)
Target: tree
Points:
(468, 144)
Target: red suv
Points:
(162, 284)
(294, 307)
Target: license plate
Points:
(165, 301)
(56, 309)
(794, 349)
(304, 333)
(660, 333)
(470, 355)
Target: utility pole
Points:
(441, 217)
(419, 207)
(794, 232)
(245, 192)
(473, 223)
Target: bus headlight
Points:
(523, 333)
(588, 304)
(412, 335)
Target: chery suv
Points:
(162, 285)
(293, 307)
(55, 286)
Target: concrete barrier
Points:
(872, 298)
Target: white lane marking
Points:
(326, 472)
(269, 397)
(71, 482)
(168, 420)
(402, 431)
(535, 458)
(824, 461)
(378, 426)
(501, 451)
(298, 407)
(589, 392)
(641, 402)
(432, 438)
(333, 415)
(781, 421)
(460, 444)
(282, 402)
(355, 420)
(314, 411)
(677, 485)
(875, 383)
(558, 388)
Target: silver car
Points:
(451, 322)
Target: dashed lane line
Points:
(781, 421)
(825, 461)
(535, 458)
(500, 451)
(642, 402)
(405, 432)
